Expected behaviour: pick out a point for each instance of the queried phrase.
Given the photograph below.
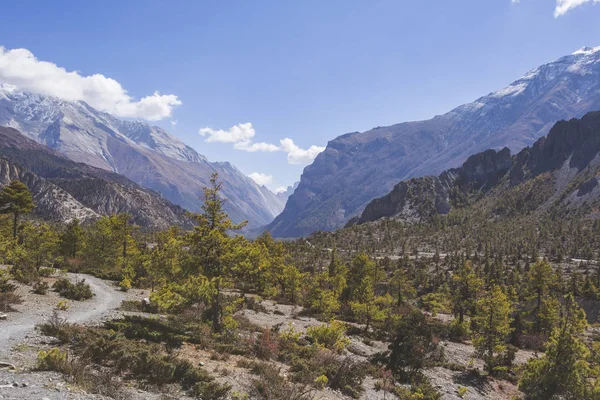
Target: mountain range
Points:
(64, 190)
(147, 155)
(560, 170)
(358, 167)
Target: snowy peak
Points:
(156, 138)
(587, 50)
(375, 160)
(146, 154)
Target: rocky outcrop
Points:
(358, 167)
(52, 202)
(574, 145)
(64, 189)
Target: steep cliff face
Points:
(52, 202)
(148, 155)
(568, 159)
(64, 189)
(358, 167)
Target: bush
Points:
(458, 332)
(413, 348)
(330, 336)
(25, 275)
(79, 291)
(41, 287)
(147, 362)
(342, 373)
(150, 329)
(5, 285)
(46, 272)
(53, 360)
(270, 385)
(9, 299)
(267, 345)
(62, 305)
(54, 326)
(420, 389)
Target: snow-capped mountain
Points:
(358, 167)
(146, 154)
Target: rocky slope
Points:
(147, 155)
(562, 169)
(64, 189)
(358, 167)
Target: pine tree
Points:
(211, 246)
(466, 286)
(71, 238)
(16, 199)
(491, 326)
(563, 372)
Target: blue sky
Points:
(305, 70)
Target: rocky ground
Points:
(20, 343)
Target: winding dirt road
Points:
(22, 323)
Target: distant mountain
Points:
(358, 167)
(283, 196)
(64, 189)
(148, 155)
(560, 170)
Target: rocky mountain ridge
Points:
(63, 189)
(560, 169)
(148, 155)
(358, 167)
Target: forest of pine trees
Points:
(507, 285)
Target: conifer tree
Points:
(16, 199)
(491, 326)
(563, 372)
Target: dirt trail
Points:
(22, 323)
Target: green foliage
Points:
(78, 291)
(413, 347)
(564, 371)
(466, 288)
(330, 336)
(491, 327)
(135, 359)
(16, 199)
(53, 360)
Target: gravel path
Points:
(22, 323)
(19, 342)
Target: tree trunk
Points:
(216, 315)
(15, 223)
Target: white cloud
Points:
(280, 189)
(241, 137)
(261, 179)
(564, 6)
(236, 134)
(173, 123)
(21, 69)
(297, 155)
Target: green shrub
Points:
(458, 332)
(342, 373)
(46, 272)
(53, 360)
(79, 291)
(146, 362)
(151, 329)
(330, 336)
